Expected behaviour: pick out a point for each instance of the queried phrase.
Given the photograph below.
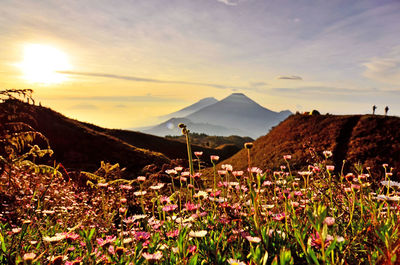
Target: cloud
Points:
(384, 69)
(147, 98)
(290, 77)
(151, 80)
(258, 84)
(229, 2)
(336, 94)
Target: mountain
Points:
(234, 115)
(239, 111)
(371, 140)
(170, 127)
(82, 146)
(190, 109)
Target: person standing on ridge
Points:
(386, 110)
(373, 109)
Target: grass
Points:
(308, 217)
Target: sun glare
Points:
(42, 63)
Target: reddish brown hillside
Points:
(77, 146)
(371, 140)
(171, 148)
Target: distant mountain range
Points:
(234, 115)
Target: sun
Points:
(43, 64)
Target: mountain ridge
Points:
(371, 140)
(235, 114)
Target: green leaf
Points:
(193, 260)
(91, 234)
(3, 244)
(312, 255)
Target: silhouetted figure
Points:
(373, 110)
(386, 110)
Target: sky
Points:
(122, 64)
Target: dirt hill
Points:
(79, 147)
(370, 140)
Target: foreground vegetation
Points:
(317, 216)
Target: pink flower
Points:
(214, 158)
(287, 157)
(329, 221)
(192, 249)
(102, 242)
(279, 217)
(191, 206)
(298, 193)
(125, 187)
(165, 199)
(198, 153)
(217, 193)
(227, 167)
(141, 178)
(252, 239)
(316, 240)
(255, 170)
(169, 208)
(155, 256)
(222, 172)
(173, 233)
(142, 236)
(237, 173)
(16, 230)
(71, 236)
(330, 168)
(29, 257)
(185, 174)
(171, 172)
(197, 175)
(178, 169)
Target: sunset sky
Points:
(121, 64)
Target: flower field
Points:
(316, 216)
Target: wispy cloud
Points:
(385, 69)
(229, 2)
(290, 77)
(337, 94)
(146, 98)
(258, 84)
(253, 86)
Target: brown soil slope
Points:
(79, 147)
(370, 140)
(171, 148)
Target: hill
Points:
(370, 140)
(213, 141)
(82, 146)
(234, 115)
(172, 148)
(79, 147)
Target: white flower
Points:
(235, 262)
(57, 237)
(201, 233)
